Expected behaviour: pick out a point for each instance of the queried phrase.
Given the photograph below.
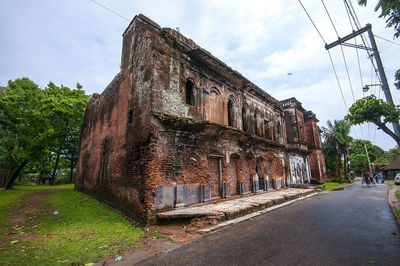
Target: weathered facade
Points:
(177, 126)
(303, 131)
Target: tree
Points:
(23, 126)
(39, 126)
(390, 9)
(331, 155)
(359, 162)
(392, 154)
(338, 134)
(371, 109)
(65, 108)
(358, 157)
(358, 147)
(397, 79)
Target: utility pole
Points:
(369, 163)
(375, 53)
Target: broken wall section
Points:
(115, 148)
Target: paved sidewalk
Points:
(230, 209)
(394, 201)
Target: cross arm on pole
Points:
(348, 37)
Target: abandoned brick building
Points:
(177, 126)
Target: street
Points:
(354, 226)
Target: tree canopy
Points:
(390, 10)
(358, 156)
(337, 140)
(371, 109)
(36, 124)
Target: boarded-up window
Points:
(231, 113)
(244, 119)
(214, 107)
(189, 93)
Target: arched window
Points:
(230, 113)
(266, 129)
(279, 129)
(214, 107)
(244, 119)
(189, 92)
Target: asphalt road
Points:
(354, 226)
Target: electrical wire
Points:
(329, 16)
(109, 9)
(355, 43)
(320, 35)
(337, 79)
(386, 40)
(358, 26)
(341, 48)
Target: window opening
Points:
(230, 113)
(189, 93)
(130, 116)
(244, 120)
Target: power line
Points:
(337, 79)
(341, 48)
(386, 40)
(353, 14)
(109, 9)
(330, 18)
(320, 35)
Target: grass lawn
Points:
(333, 185)
(68, 227)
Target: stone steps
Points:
(216, 212)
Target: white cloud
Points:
(79, 41)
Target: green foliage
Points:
(371, 109)
(23, 128)
(331, 155)
(36, 125)
(397, 79)
(358, 147)
(390, 9)
(337, 140)
(359, 162)
(333, 185)
(83, 231)
(392, 155)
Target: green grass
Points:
(333, 185)
(10, 198)
(398, 194)
(83, 231)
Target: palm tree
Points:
(381, 3)
(338, 134)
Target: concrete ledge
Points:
(234, 208)
(394, 201)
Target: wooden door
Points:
(213, 177)
(232, 177)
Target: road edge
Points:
(394, 201)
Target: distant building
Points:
(177, 126)
(302, 131)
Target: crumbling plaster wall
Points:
(143, 148)
(115, 150)
(172, 55)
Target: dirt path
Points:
(25, 215)
(159, 239)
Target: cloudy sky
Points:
(272, 43)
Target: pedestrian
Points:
(381, 177)
(365, 175)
